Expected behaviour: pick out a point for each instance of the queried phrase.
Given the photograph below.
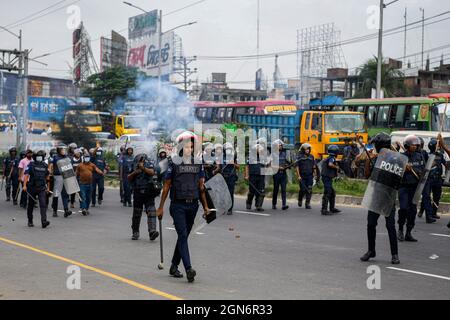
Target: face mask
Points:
(99, 154)
(39, 159)
(87, 159)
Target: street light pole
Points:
(380, 50)
(160, 35)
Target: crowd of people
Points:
(35, 180)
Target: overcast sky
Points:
(225, 28)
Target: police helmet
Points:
(333, 150)
(411, 140)
(305, 146)
(432, 145)
(208, 146)
(381, 141)
(61, 147)
(422, 142)
(187, 135)
(40, 153)
(73, 145)
(22, 154)
(53, 152)
(13, 149)
(278, 142)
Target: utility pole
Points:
(160, 35)
(380, 50)
(185, 72)
(257, 33)
(405, 39)
(423, 35)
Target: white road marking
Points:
(254, 213)
(197, 233)
(440, 235)
(421, 273)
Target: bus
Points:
(227, 113)
(394, 114)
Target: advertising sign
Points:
(145, 55)
(142, 25)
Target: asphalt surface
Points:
(294, 254)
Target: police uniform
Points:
(306, 164)
(98, 180)
(64, 195)
(329, 194)
(257, 185)
(434, 185)
(228, 170)
(13, 181)
(280, 180)
(143, 198)
(408, 210)
(184, 196)
(127, 165)
(350, 154)
(37, 189)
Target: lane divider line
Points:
(253, 213)
(93, 269)
(420, 273)
(440, 235)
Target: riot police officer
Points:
(280, 178)
(434, 183)
(51, 180)
(36, 187)
(185, 180)
(329, 172)
(414, 169)
(145, 188)
(98, 180)
(119, 158)
(11, 174)
(59, 191)
(76, 161)
(229, 170)
(256, 180)
(71, 150)
(127, 167)
(209, 160)
(380, 141)
(306, 169)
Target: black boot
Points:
(190, 274)
(368, 255)
(448, 226)
(409, 237)
(430, 220)
(333, 205)
(153, 235)
(324, 210)
(30, 224)
(135, 236)
(300, 199)
(174, 272)
(67, 213)
(45, 224)
(55, 214)
(395, 259)
(400, 235)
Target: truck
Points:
(7, 119)
(318, 128)
(44, 112)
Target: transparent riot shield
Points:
(68, 175)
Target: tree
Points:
(106, 87)
(391, 80)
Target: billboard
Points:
(113, 52)
(77, 43)
(144, 54)
(142, 25)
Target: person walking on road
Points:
(85, 174)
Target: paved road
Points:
(277, 255)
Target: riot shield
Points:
(68, 175)
(423, 179)
(217, 194)
(382, 190)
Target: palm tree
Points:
(391, 80)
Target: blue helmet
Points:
(333, 150)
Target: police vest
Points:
(418, 163)
(11, 162)
(100, 163)
(436, 170)
(127, 164)
(327, 171)
(38, 173)
(228, 169)
(185, 181)
(306, 165)
(282, 158)
(255, 169)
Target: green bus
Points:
(394, 114)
